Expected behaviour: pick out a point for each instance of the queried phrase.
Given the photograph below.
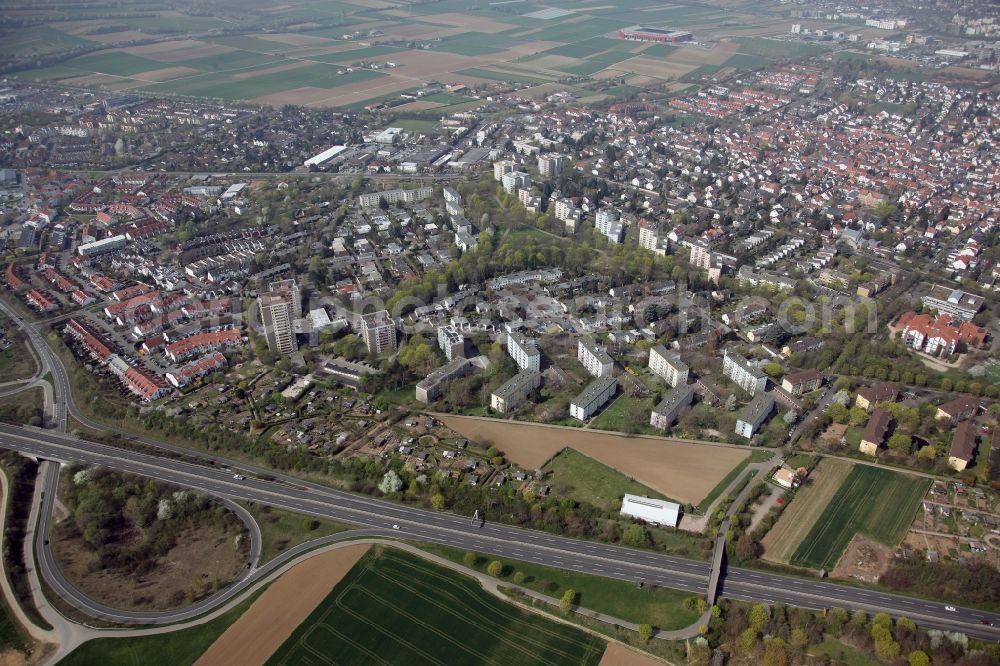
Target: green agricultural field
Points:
(587, 480)
(117, 63)
(860, 507)
(585, 48)
(37, 40)
(228, 61)
(357, 55)
(317, 76)
(499, 76)
(745, 61)
(659, 50)
(774, 49)
(394, 608)
(474, 44)
(598, 62)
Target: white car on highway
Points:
(238, 477)
(950, 609)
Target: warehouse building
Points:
(658, 512)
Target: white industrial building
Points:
(104, 245)
(325, 156)
(660, 512)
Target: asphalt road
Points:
(496, 539)
(415, 524)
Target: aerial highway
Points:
(416, 524)
(422, 525)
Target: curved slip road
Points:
(496, 539)
(501, 540)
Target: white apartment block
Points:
(378, 331)
(500, 168)
(372, 199)
(744, 375)
(701, 254)
(550, 164)
(665, 413)
(451, 342)
(668, 365)
(524, 351)
(595, 396)
(514, 180)
(608, 225)
(594, 359)
(649, 236)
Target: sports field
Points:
(393, 608)
(872, 501)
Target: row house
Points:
(200, 367)
(202, 342)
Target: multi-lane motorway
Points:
(496, 539)
(385, 518)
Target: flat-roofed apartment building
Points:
(955, 302)
(432, 386)
(515, 391)
(747, 377)
(596, 361)
(593, 397)
(451, 342)
(665, 413)
(379, 331)
(668, 365)
(524, 351)
(754, 416)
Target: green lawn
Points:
(872, 501)
(16, 362)
(281, 530)
(11, 633)
(661, 607)
(178, 648)
(615, 416)
(841, 653)
(395, 608)
(587, 480)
